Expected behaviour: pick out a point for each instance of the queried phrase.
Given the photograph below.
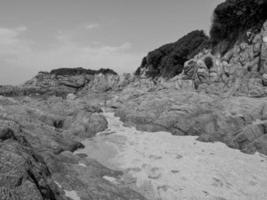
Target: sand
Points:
(167, 167)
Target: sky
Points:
(40, 35)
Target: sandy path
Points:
(169, 167)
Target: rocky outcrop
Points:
(218, 97)
(168, 60)
(241, 71)
(239, 121)
(233, 18)
(24, 175)
(61, 82)
(68, 80)
(37, 138)
(186, 88)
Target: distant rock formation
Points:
(61, 82)
(67, 78)
(168, 60)
(80, 71)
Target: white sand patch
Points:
(58, 184)
(72, 194)
(82, 164)
(111, 179)
(265, 39)
(259, 122)
(179, 167)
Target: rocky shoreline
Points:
(37, 138)
(191, 123)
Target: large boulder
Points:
(87, 124)
(264, 49)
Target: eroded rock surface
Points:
(240, 122)
(37, 138)
(218, 97)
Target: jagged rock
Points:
(36, 142)
(264, 79)
(24, 175)
(88, 124)
(264, 49)
(213, 98)
(233, 18)
(238, 72)
(102, 83)
(189, 113)
(60, 82)
(250, 134)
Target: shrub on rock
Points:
(168, 60)
(233, 18)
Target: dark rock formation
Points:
(168, 60)
(233, 18)
(80, 71)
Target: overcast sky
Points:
(39, 35)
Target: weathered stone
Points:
(264, 79)
(88, 124)
(264, 49)
(36, 145)
(249, 135)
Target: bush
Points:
(233, 18)
(168, 60)
(79, 71)
(209, 62)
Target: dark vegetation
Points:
(209, 62)
(233, 18)
(79, 71)
(16, 91)
(168, 60)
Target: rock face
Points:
(68, 80)
(241, 71)
(61, 82)
(217, 97)
(168, 60)
(233, 18)
(24, 175)
(239, 122)
(37, 138)
(263, 56)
